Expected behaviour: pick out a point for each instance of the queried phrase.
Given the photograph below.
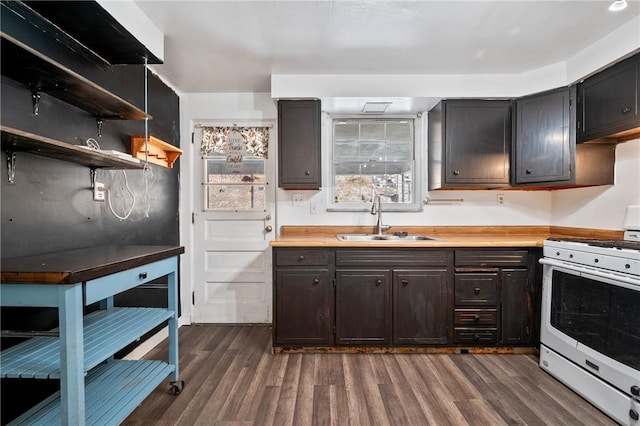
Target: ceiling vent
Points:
(375, 107)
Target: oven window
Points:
(603, 316)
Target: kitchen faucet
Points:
(376, 208)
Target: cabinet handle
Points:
(476, 318)
(378, 282)
(404, 283)
(307, 172)
(476, 290)
(456, 172)
(626, 110)
(316, 281)
(528, 171)
(300, 257)
(142, 275)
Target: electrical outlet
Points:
(298, 199)
(99, 192)
(500, 199)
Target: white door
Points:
(234, 223)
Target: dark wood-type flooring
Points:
(232, 378)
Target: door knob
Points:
(268, 228)
(268, 217)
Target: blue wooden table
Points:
(94, 388)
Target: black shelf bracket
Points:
(35, 97)
(99, 123)
(92, 177)
(11, 166)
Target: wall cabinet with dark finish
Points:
(469, 143)
(299, 144)
(303, 297)
(608, 107)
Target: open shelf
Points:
(112, 392)
(105, 333)
(157, 152)
(14, 140)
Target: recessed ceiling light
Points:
(618, 5)
(375, 107)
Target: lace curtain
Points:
(214, 140)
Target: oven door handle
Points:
(589, 271)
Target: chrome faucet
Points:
(376, 208)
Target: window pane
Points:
(354, 182)
(349, 151)
(248, 171)
(372, 131)
(234, 197)
(346, 131)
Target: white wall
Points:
(603, 206)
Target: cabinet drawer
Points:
(472, 317)
(475, 336)
(491, 257)
(476, 289)
(302, 257)
(392, 257)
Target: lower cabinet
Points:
(404, 297)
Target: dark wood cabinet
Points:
(469, 143)
(544, 145)
(299, 144)
(420, 308)
(494, 297)
(363, 307)
(303, 297)
(608, 103)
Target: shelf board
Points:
(112, 392)
(41, 73)
(18, 140)
(157, 152)
(105, 333)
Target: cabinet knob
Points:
(307, 172)
(405, 283)
(626, 110)
(142, 275)
(635, 390)
(476, 318)
(378, 282)
(633, 414)
(528, 171)
(316, 281)
(456, 172)
(476, 290)
(476, 338)
(300, 257)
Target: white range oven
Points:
(590, 323)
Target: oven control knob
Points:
(557, 253)
(627, 266)
(596, 260)
(634, 414)
(635, 390)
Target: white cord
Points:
(133, 202)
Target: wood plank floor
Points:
(233, 379)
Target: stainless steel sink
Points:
(384, 237)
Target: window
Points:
(374, 155)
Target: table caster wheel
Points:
(176, 388)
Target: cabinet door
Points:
(515, 316)
(303, 306)
(477, 138)
(420, 307)
(363, 307)
(299, 144)
(608, 101)
(544, 138)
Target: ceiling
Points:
(235, 46)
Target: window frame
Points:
(418, 161)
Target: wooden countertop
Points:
(446, 236)
(73, 266)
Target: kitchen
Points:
(599, 207)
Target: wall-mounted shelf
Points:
(14, 140)
(42, 74)
(158, 151)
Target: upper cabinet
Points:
(608, 103)
(299, 144)
(469, 144)
(543, 140)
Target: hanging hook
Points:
(11, 166)
(99, 124)
(35, 97)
